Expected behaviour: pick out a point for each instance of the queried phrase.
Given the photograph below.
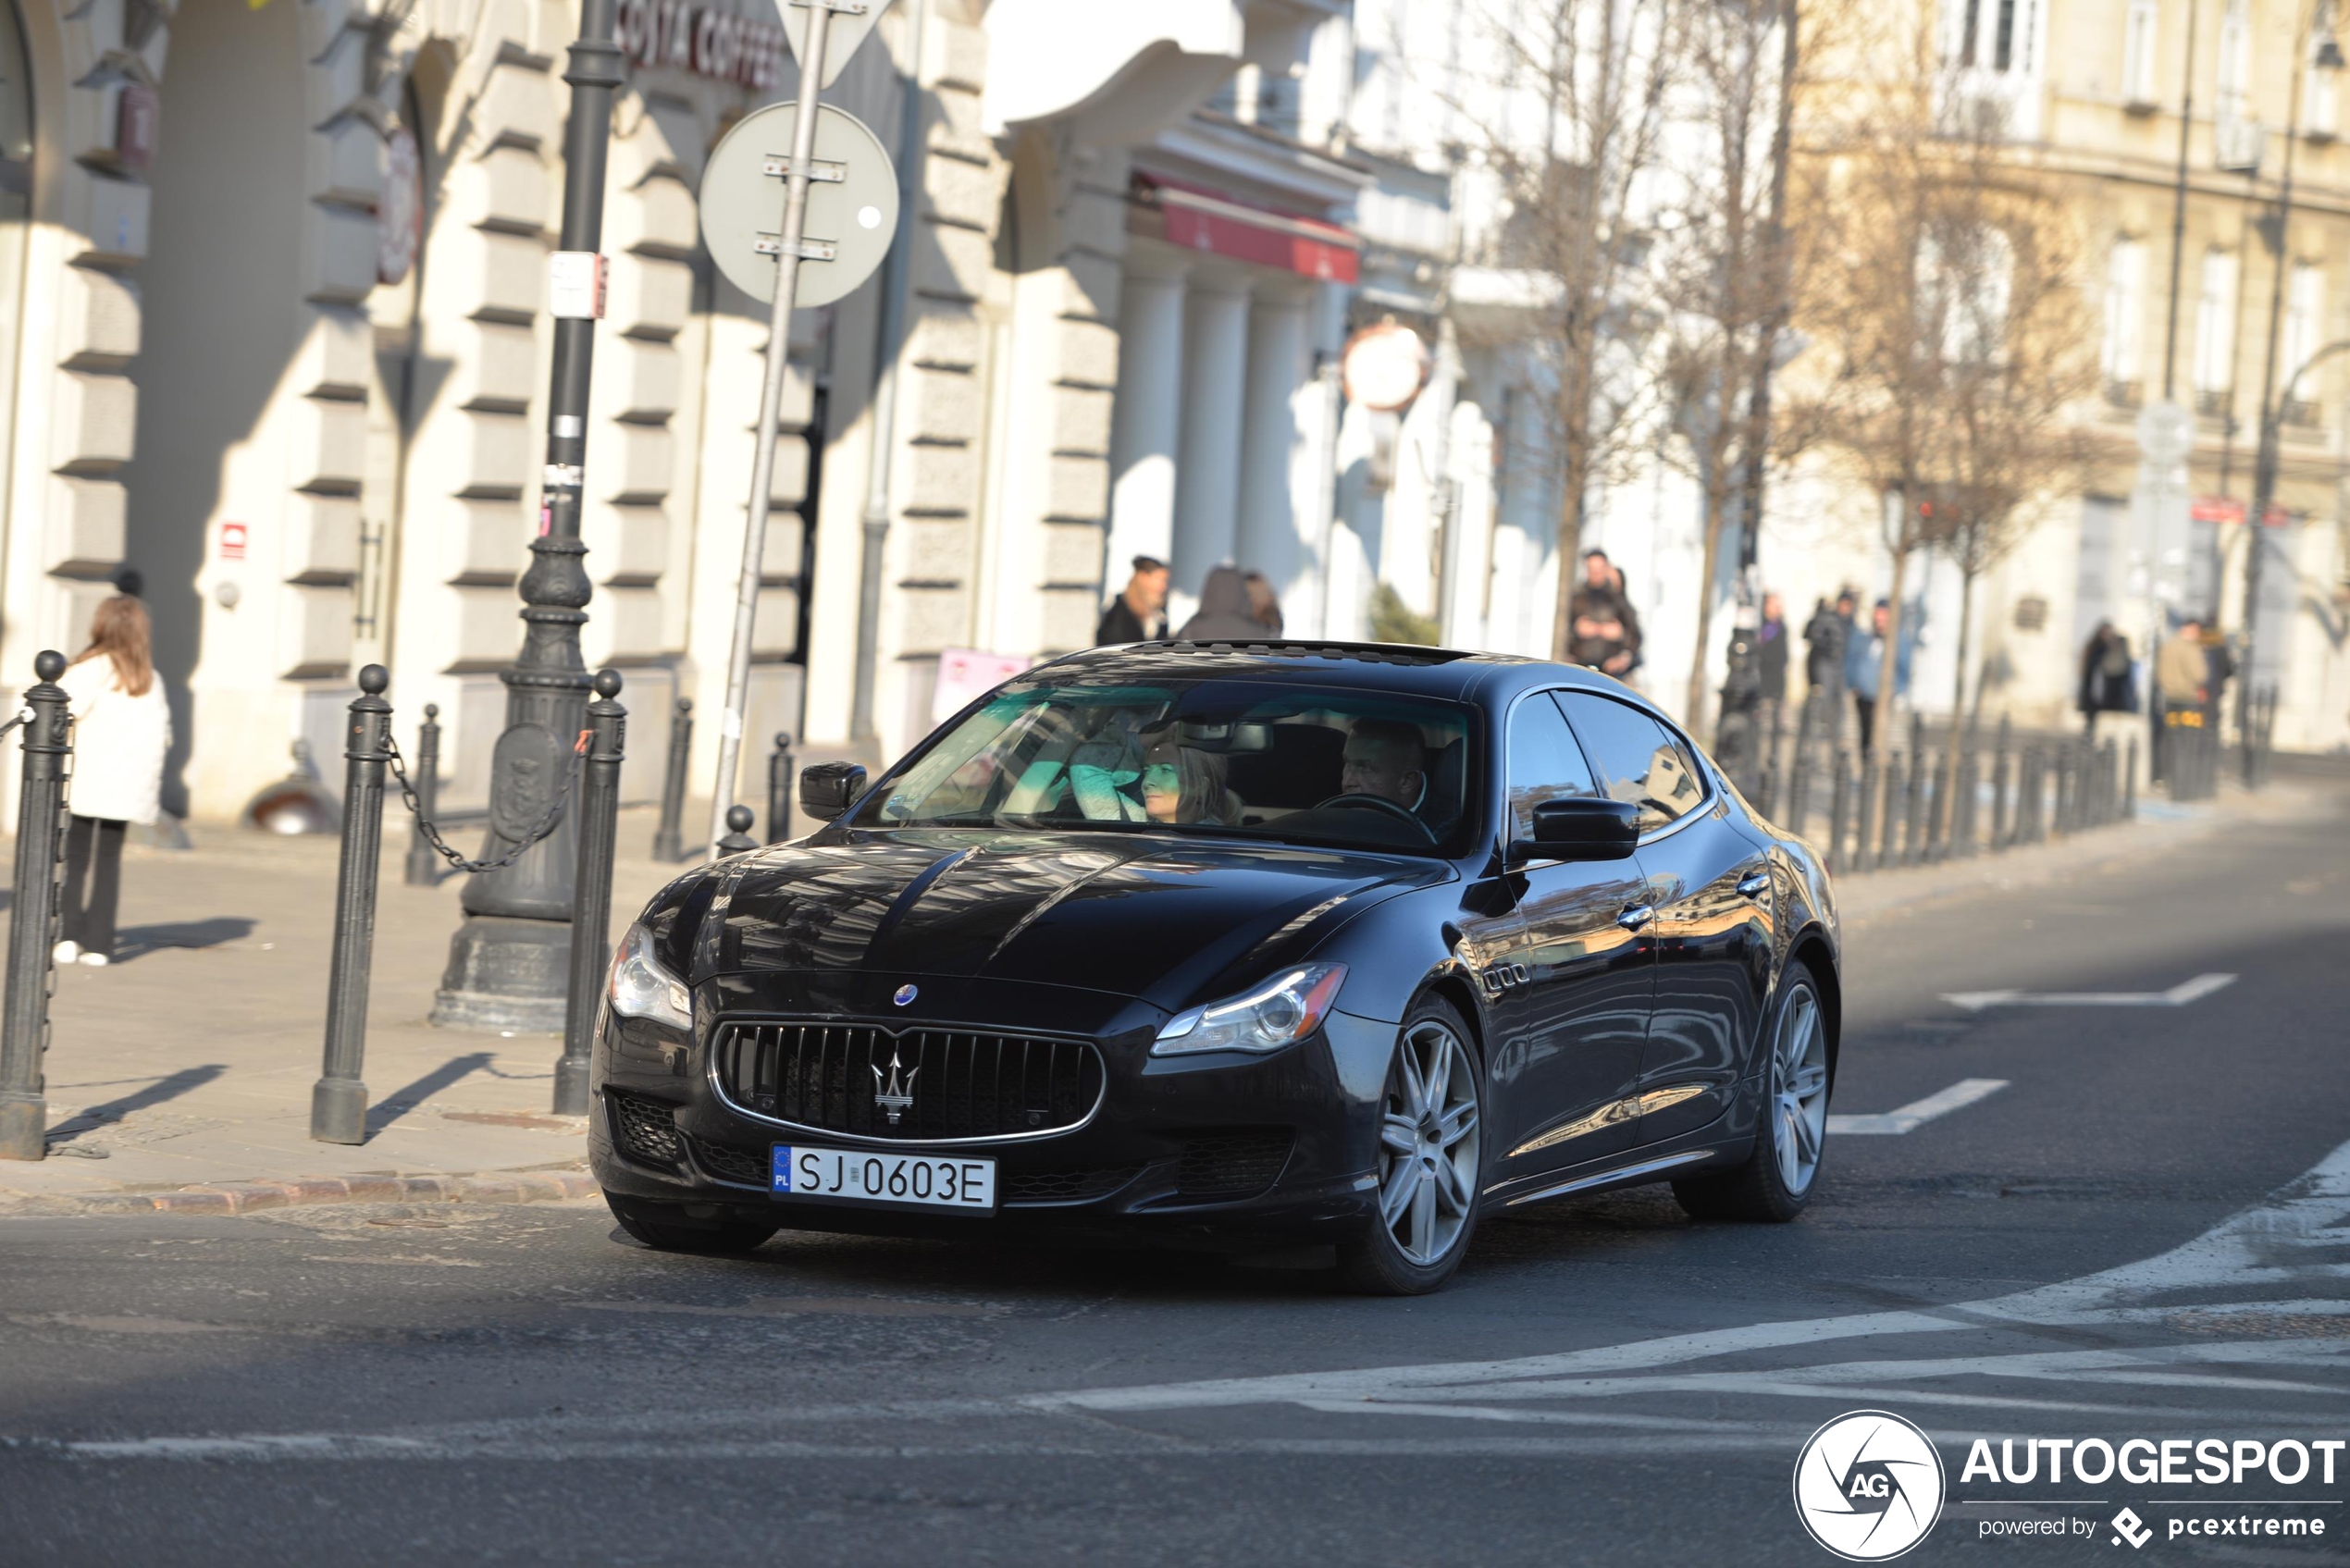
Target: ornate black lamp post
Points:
(508, 961)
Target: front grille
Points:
(750, 1167)
(955, 1083)
(643, 1129)
(1067, 1186)
(1232, 1165)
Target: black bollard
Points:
(1914, 801)
(1964, 843)
(2130, 781)
(1839, 809)
(1865, 814)
(424, 866)
(338, 1100)
(2000, 821)
(1938, 810)
(1888, 848)
(737, 839)
(591, 891)
(668, 837)
(24, 1027)
(779, 782)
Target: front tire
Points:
(1777, 1180)
(1431, 1154)
(667, 1228)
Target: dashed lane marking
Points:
(1917, 1113)
(2178, 996)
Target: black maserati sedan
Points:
(1324, 950)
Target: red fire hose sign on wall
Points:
(232, 541)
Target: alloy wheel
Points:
(1429, 1143)
(1799, 1088)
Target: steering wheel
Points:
(1377, 803)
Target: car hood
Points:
(1146, 916)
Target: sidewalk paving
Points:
(180, 1078)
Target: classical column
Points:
(1207, 487)
(1148, 430)
(1268, 516)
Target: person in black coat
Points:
(1138, 613)
(1770, 649)
(2108, 678)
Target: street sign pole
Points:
(860, 206)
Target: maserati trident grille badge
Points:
(895, 1094)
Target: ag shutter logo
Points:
(1868, 1485)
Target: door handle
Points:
(1755, 884)
(1637, 916)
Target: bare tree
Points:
(1565, 113)
(1952, 343)
(1726, 263)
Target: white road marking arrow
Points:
(1917, 1113)
(2178, 996)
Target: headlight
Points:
(1281, 1012)
(639, 988)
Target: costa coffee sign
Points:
(701, 39)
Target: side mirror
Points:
(827, 789)
(1581, 828)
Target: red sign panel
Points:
(1202, 220)
(2230, 510)
(232, 541)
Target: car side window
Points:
(1545, 763)
(1638, 758)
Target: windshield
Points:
(1295, 764)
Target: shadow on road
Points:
(135, 941)
(392, 1106)
(154, 1093)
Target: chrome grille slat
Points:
(966, 1084)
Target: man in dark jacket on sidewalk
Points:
(1138, 614)
(1605, 633)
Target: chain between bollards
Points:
(24, 1026)
(591, 894)
(423, 863)
(338, 1100)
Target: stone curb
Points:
(244, 1197)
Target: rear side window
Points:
(1545, 763)
(1637, 759)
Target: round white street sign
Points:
(854, 213)
(1384, 368)
(2166, 433)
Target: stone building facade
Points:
(279, 343)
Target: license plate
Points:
(863, 1176)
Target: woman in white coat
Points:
(121, 729)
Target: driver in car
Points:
(1385, 758)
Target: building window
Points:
(2235, 61)
(2215, 332)
(2124, 306)
(2137, 53)
(2303, 320)
(2316, 98)
(1964, 278)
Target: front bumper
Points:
(1225, 1152)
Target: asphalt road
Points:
(2124, 1241)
